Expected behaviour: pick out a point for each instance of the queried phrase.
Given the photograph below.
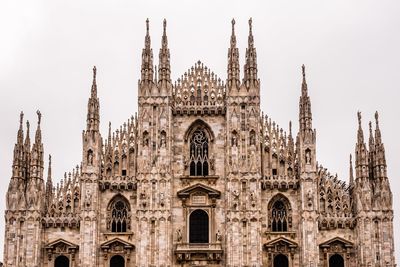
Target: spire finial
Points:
(303, 68)
(370, 128)
(251, 26)
(21, 118)
(147, 26)
(377, 119)
(290, 127)
(165, 27)
(351, 170)
(94, 72)
(39, 116)
(233, 26)
(49, 159)
(27, 126)
(359, 118)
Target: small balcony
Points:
(198, 251)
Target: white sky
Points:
(350, 48)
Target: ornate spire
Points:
(305, 116)
(93, 115)
(38, 135)
(233, 61)
(49, 186)
(18, 157)
(360, 133)
(351, 179)
(250, 68)
(164, 67)
(27, 144)
(379, 150)
(94, 84)
(378, 136)
(36, 161)
(147, 58)
(20, 135)
(361, 152)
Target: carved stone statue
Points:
(218, 236)
(179, 235)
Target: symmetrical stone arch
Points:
(198, 149)
(284, 214)
(199, 124)
(118, 214)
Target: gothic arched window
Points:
(119, 219)
(199, 154)
(279, 216)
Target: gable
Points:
(212, 193)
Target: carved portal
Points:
(280, 247)
(61, 247)
(120, 247)
(338, 246)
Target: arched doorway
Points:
(61, 261)
(336, 261)
(281, 261)
(198, 227)
(117, 261)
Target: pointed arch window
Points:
(119, 216)
(199, 164)
(279, 222)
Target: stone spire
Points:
(233, 62)
(305, 116)
(361, 152)
(164, 67)
(380, 157)
(36, 163)
(93, 115)
(250, 79)
(27, 152)
(351, 179)
(49, 186)
(18, 157)
(147, 59)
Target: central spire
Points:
(93, 115)
(164, 67)
(147, 71)
(250, 68)
(233, 61)
(305, 117)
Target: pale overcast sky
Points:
(350, 49)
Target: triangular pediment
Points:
(61, 242)
(281, 241)
(211, 192)
(117, 242)
(334, 240)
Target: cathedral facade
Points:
(199, 177)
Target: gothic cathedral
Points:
(199, 177)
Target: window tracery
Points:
(119, 216)
(279, 217)
(199, 165)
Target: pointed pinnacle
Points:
(250, 26)
(147, 26)
(39, 116)
(165, 27)
(233, 26)
(303, 68)
(377, 119)
(21, 119)
(359, 118)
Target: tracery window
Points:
(119, 217)
(199, 154)
(279, 217)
